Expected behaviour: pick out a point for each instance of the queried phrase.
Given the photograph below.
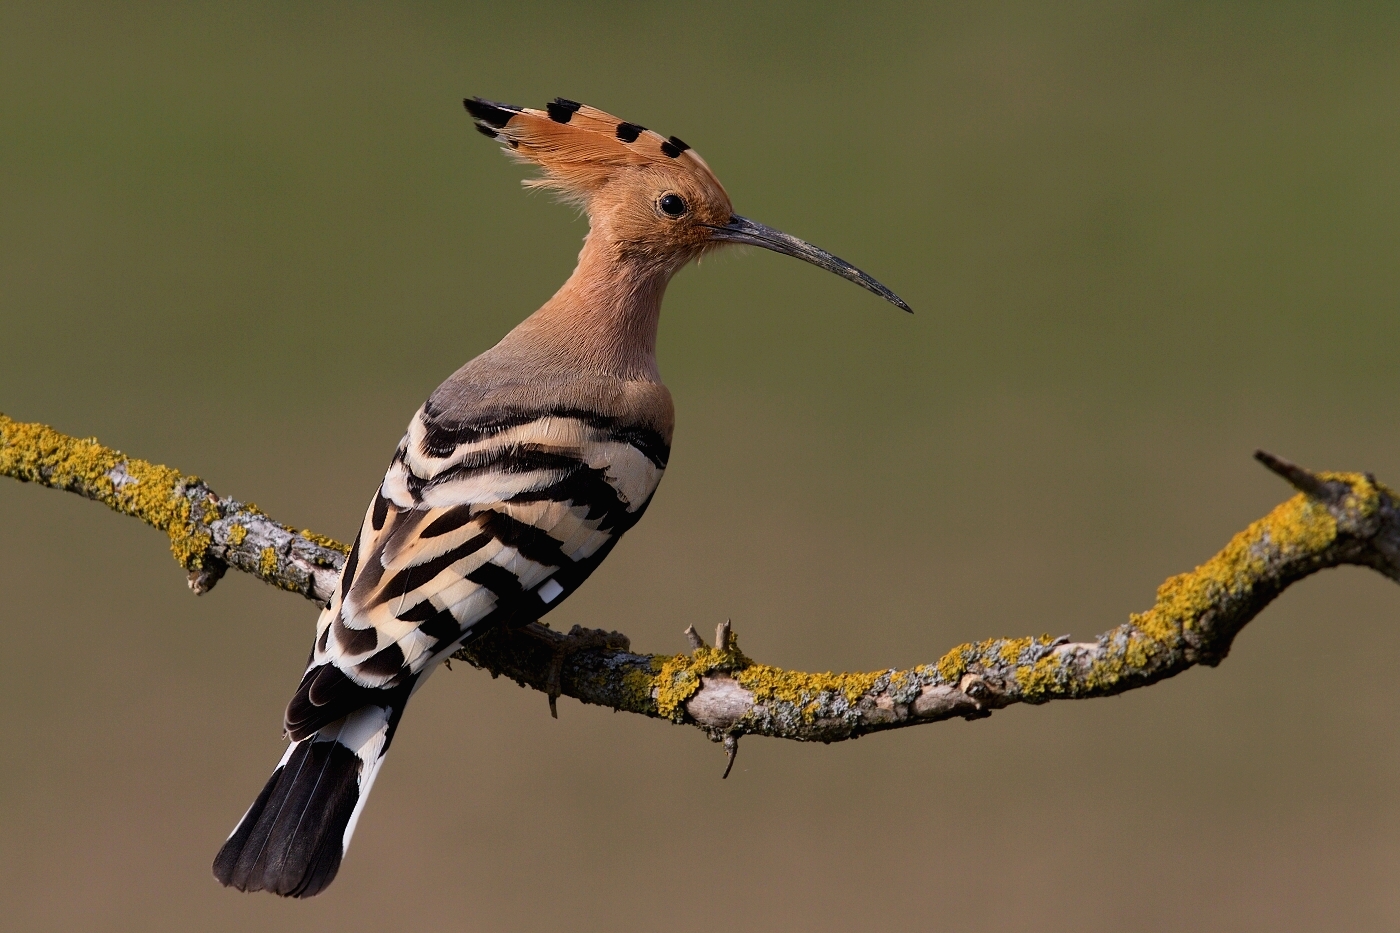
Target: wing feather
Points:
(470, 521)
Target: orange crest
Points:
(584, 150)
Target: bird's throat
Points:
(604, 318)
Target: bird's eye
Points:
(672, 205)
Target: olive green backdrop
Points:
(1142, 240)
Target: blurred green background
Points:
(1142, 240)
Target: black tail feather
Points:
(291, 840)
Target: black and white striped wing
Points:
(474, 521)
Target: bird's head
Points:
(651, 198)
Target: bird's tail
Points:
(291, 840)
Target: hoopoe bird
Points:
(516, 478)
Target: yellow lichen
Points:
(675, 683)
(1110, 669)
(325, 541)
(677, 678)
(803, 690)
(1011, 649)
(1300, 525)
(678, 675)
(954, 664)
(148, 491)
(144, 490)
(1040, 679)
(1365, 495)
(267, 563)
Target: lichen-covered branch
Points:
(1337, 518)
(207, 534)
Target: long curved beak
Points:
(742, 230)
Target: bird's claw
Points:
(563, 645)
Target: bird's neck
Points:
(603, 320)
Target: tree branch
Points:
(1337, 518)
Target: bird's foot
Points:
(562, 645)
